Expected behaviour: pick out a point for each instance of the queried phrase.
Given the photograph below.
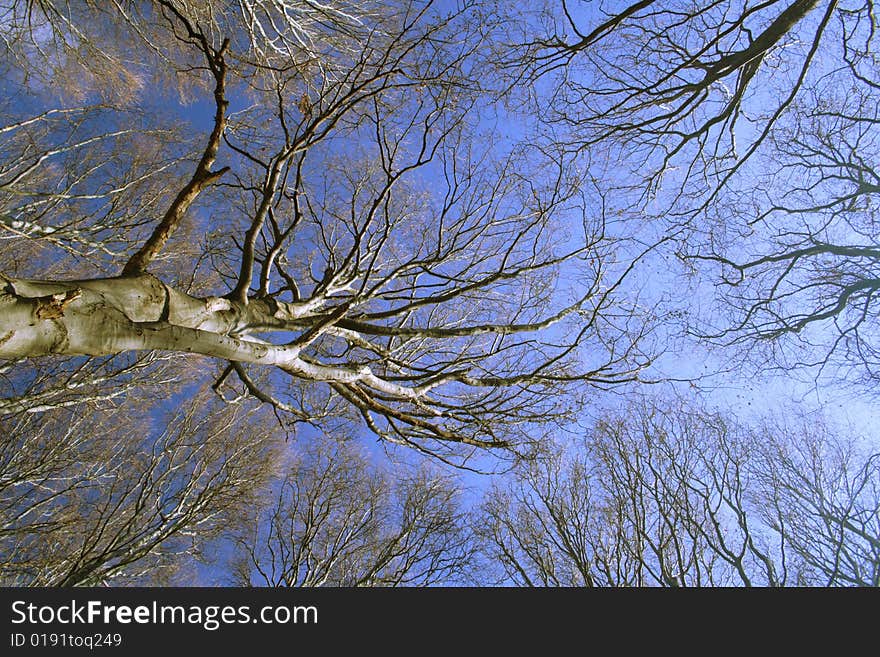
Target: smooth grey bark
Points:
(111, 315)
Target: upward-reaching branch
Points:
(203, 175)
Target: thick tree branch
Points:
(201, 178)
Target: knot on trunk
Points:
(52, 306)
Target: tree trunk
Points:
(108, 316)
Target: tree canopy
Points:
(345, 236)
(452, 228)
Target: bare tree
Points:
(821, 493)
(309, 253)
(683, 84)
(316, 207)
(666, 495)
(93, 499)
(749, 130)
(803, 274)
(337, 520)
